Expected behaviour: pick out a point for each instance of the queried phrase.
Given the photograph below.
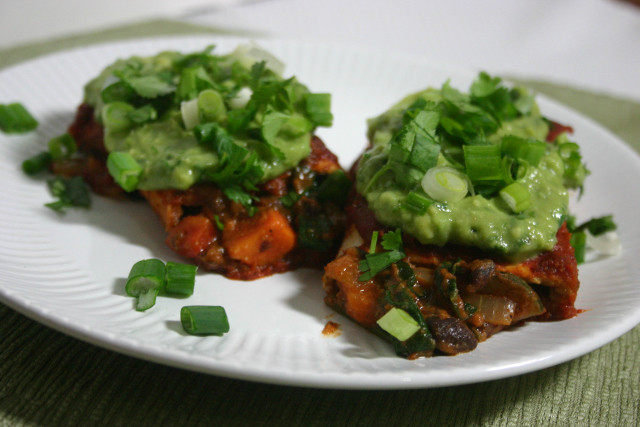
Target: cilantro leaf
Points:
(237, 169)
(374, 263)
(392, 240)
(71, 192)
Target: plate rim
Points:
(175, 358)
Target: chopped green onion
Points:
(36, 164)
(529, 150)
(117, 91)
(204, 320)
(271, 124)
(71, 192)
(181, 278)
(211, 106)
(416, 203)
(516, 196)
(399, 324)
(115, 116)
(445, 184)
(124, 169)
(143, 114)
(483, 163)
(575, 171)
(146, 279)
(62, 147)
(579, 242)
(374, 242)
(190, 113)
(188, 86)
(318, 107)
(14, 118)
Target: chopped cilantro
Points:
(71, 192)
(374, 263)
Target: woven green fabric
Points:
(48, 378)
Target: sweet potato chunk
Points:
(167, 204)
(259, 240)
(191, 236)
(358, 299)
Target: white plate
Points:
(68, 271)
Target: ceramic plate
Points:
(68, 271)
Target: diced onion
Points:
(445, 184)
(190, 113)
(241, 99)
(497, 310)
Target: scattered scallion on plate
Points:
(204, 320)
(180, 278)
(14, 118)
(146, 279)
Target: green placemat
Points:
(48, 378)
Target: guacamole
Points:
(182, 119)
(471, 169)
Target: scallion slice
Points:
(62, 146)
(115, 116)
(374, 242)
(516, 196)
(318, 107)
(211, 106)
(528, 150)
(399, 324)
(445, 184)
(36, 164)
(181, 278)
(145, 280)
(204, 320)
(124, 169)
(143, 114)
(14, 118)
(483, 163)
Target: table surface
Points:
(581, 52)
